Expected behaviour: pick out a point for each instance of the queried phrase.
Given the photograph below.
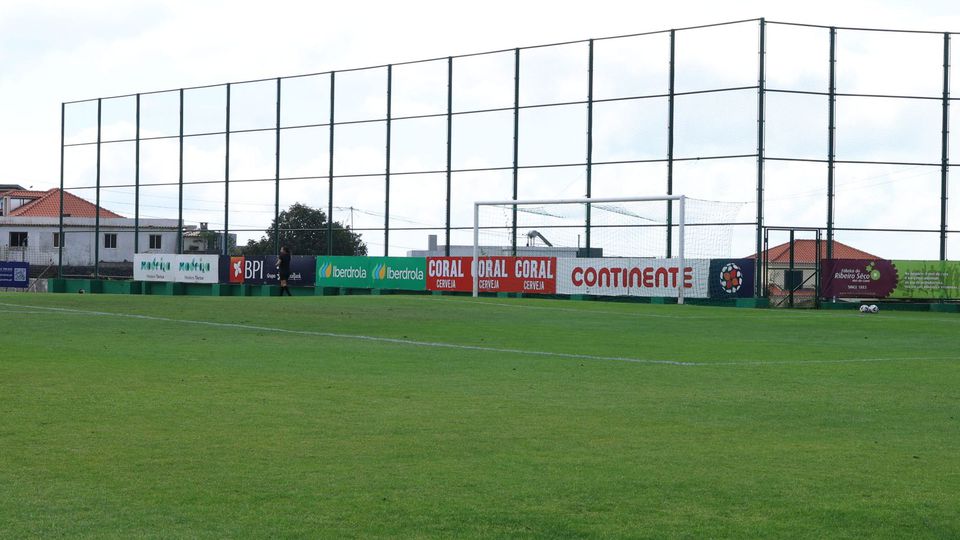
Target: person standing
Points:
(283, 268)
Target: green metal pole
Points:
(516, 146)
(945, 149)
(63, 111)
(589, 141)
(226, 182)
(670, 120)
(790, 286)
(96, 228)
(333, 88)
(831, 140)
(276, 187)
(180, 183)
(449, 146)
(761, 107)
(136, 188)
(386, 203)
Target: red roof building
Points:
(47, 204)
(805, 253)
(32, 229)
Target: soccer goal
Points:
(655, 227)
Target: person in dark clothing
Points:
(283, 268)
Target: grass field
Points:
(417, 416)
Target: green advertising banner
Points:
(927, 280)
(407, 273)
(353, 272)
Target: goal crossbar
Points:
(681, 199)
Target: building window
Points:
(155, 241)
(57, 239)
(18, 239)
(110, 241)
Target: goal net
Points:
(614, 227)
(668, 226)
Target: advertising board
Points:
(633, 277)
(14, 274)
(179, 268)
(530, 275)
(880, 278)
(406, 273)
(262, 270)
(732, 278)
(402, 273)
(155, 267)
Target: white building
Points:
(30, 227)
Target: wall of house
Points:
(79, 244)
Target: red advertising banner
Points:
(530, 275)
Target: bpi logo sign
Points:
(243, 269)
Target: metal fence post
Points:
(96, 227)
(671, 98)
(333, 89)
(761, 108)
(446, 248)
(386, 203)
(589, 141)
(831, 140)
(945, 150)
(276, 196)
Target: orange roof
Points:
(804, 251)
(47, 204)
(23, 194)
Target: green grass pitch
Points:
(419, 416)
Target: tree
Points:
(304, 231)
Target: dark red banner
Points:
(858, 278)
(530, 275)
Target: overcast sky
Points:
(60, 50)
(55, 51)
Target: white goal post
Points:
(680, 222)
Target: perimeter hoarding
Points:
(262, 270)
(717, 279)
(15, 274)
(198, 269)
(179, 268)
(404, 273)
(634, 277)
(897, 279)
(732, 278)
(155, 267)
(533, 275)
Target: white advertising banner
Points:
(198, 268)
(182, 268)
(155, 267)
(633, 277)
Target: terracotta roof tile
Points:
(23, 193)
(804, 252)
(48, 205)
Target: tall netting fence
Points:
(840, 129)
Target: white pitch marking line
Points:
(435, 344)
(377, 339)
